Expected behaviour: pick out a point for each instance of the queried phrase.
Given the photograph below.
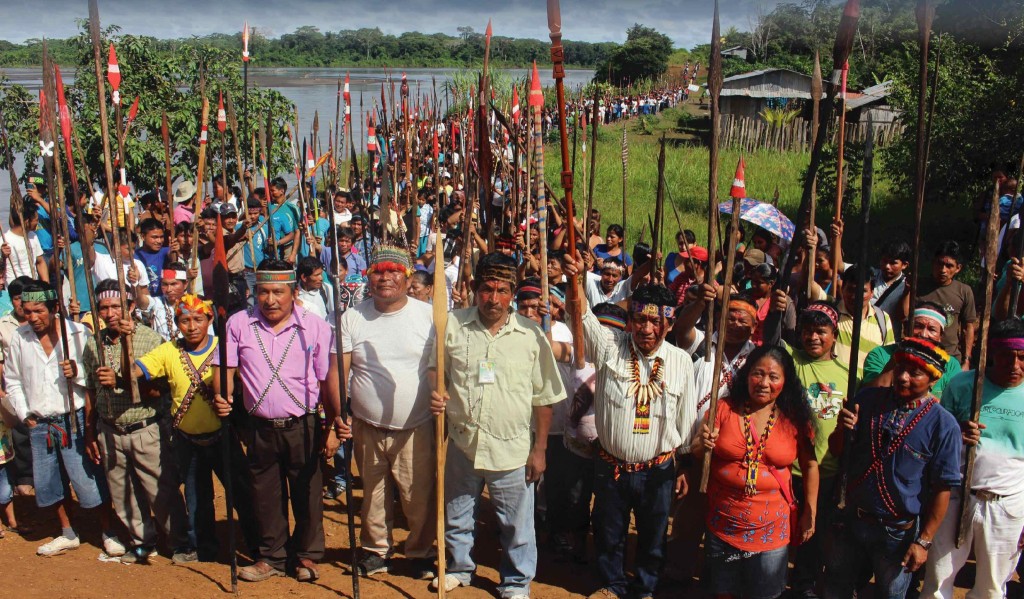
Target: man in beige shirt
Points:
(500, 373)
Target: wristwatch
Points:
(923, 543)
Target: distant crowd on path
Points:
(570, 456)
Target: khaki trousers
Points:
(142, 479)
(408, 457)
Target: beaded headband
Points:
(1013, 343)
(931, 314)
(171, 274)
(929, 356)
(653, 310)
(526, 290)
(614, 322)
(384, 254)
(275, 276)
(827, 310)
(47, 295)
(193, 304)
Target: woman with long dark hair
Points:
(759, 431)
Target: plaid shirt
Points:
(115, 404)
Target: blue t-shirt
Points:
(154, 263)
(78, 266)
(284, 220)
(928, 457)
(43, 231)
(259, 241)
(601, 251)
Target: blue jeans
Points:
(58, 459)
(747, 574)
(512, 498)
(648, 495)
(6, 490)
(859, 543)
(196, 465)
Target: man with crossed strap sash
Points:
(287, 363)
(186, 364)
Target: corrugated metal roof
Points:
(767, 89)
(870, 95)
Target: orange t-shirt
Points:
(761, 522)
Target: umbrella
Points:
(763, 215)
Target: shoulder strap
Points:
(786, 490)
(883, 326)
(890, 289)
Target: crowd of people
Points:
(331, 362)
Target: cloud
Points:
(686, 22)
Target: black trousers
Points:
(285, 465)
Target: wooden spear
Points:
(836, 243)
(558, 70)
(659, 206)
(625, 178)
(164, 132)
(536, 105)
(250, 184)
(197, 204)
(127, 355)
(925, 14)
(816, 89)
(440, 304)
(714, 92)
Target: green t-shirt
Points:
(880, 357)
(825, 383)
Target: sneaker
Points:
(137, 555)
(185, 555)
(113, 547)
(451, 582)
(58, 546)
(372, 564)
(422, 568)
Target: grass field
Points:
(686, 175)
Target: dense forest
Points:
(309, 47)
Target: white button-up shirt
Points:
(35, 381)
(672, 414)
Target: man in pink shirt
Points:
(288, 366)
(184, 196)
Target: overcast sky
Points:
(687, 22)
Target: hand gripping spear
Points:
(127, 355)
(558, 70)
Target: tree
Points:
(643, 56)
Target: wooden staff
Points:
(625, 177)
(250, 184)
(659, 206)
(836, 243)
(440, 304)
(264, 142)
(17, 202)
(197, 204)
(536, 104)
(87, 252)
(168, 225)
(867, 183)
(48, 139)
(991, 254)
(337, 140)
(925, 14)
(816, 90)
(558, 70)
(127, 355)
(593, 166)
(714, 91)
(686, 244)
(222, 125)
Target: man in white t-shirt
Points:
(316, 297)
(21, 254)
(387, 342)
(103, 268)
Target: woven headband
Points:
(525, 289)
(653, 310)
(275, 276)
(105, 295)
(193, 304)
(555, 291)
(1012, 343)
(500, 273)
(47, 295)
(170, 274)
(389, 253)
(743, 307)
(827, 310)
(931, 314)
(610, 320)
(923, 353)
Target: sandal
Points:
(306, 571)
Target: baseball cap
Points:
(754, 257)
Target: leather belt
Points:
(279, 423)
(987, 495)
(901, 525)
(126, 429)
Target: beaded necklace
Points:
(644, 393)
(196, 384)
(755, 448)
(882, 451)
(275, 371)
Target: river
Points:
(312, 90)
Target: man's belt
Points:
(987, 495)
(279, 423)
(126, 429)
(900, 524)
(632, 467)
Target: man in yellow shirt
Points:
(197, 429)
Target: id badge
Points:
(486, 374)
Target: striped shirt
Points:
(672, 415)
